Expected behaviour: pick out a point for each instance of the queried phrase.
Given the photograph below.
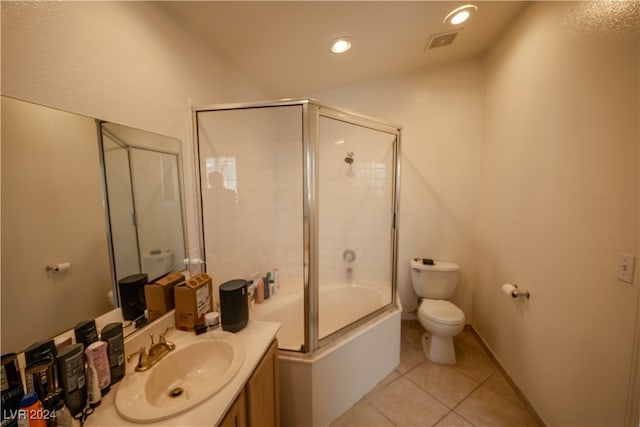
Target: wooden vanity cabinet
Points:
(258, 404)
(236, 416)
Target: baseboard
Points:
(504, 373)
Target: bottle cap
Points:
(29, 399)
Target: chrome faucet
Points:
(156, 352)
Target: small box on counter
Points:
(193, 301)
(159, 294)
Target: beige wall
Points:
(125, 62)
(558, 201)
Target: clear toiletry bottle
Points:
(60, 416)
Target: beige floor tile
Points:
(474, 364)
(386, 380)
(420, 393)
(405, 404)
(362, 414)
(468, 339)
(410, 357)
(442, 382)
(498, 384)
(486, 408)
(453, 420)
(411, 331)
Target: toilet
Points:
(442, 319)
(157, 263)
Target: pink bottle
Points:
(97, 357)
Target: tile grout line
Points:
(460, 403)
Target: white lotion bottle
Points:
(94, 397)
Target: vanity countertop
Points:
(256, 337)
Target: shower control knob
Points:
(349, 255)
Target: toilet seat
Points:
(441, 311)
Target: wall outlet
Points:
(626, 267)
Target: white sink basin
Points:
(187, 376)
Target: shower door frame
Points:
(312, 110)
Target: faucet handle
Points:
(143, 356)
(163, 335)
(171, 346)
(151, 336)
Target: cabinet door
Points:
(236, 416)
(263, 392)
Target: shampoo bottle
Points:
(86, 332)
(259, 290)
(267, 289)
(40, 350)
(70, 364)
(276, 279)
(112, 335)
(97, 358)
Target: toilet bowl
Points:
(442, 320)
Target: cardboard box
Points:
(193, 300)
(159, 294)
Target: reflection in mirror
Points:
(145, 211)
(53, 213)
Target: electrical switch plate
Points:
(626, 267)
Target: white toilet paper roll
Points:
(508, 289)
(63, 266)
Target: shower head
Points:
(349, 158)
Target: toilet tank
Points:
(436, 281)
(157, 263)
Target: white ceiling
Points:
(283, 47)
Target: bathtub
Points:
(317, 388)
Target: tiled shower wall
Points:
(251, 180)
(355, 202)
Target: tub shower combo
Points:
(310, 192)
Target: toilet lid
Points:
(441, 311)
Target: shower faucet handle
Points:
(349, 255)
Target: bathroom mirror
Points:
(58, 264)
(142, 175)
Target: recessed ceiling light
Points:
(460, 14)
(341, 45)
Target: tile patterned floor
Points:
(472, 392)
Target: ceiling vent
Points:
(440, 40)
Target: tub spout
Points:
(349, 273)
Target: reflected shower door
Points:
(156, 189)
(356, 192)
